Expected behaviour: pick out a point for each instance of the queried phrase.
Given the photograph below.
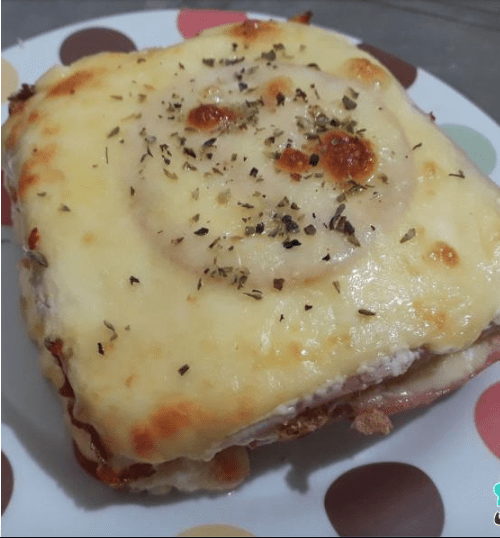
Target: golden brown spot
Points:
(167, 421)
(16, 107)
(430, 173)
(303, 18)
(15, 134)
(227, 465)
(293, 161)
(253, 30)
(311, 280)
(26, 263)
(33, 239)
(129, 380)
(430, 169)
(363, 69)
(431, 315)
(51, 130)
(208, 117)
(88, 238)
(443, 253)
(71, 84)
(276, 90)
(28, 177)
(26, 180)
(244, 414)
(143, 441)
(340, 340)
(296, 350)
(33, 117)
(436, 318)
(106, 474)
(108, 347)
(345, 156)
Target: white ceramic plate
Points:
(285, 495)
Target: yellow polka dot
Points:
(10, 80)
(214, 530)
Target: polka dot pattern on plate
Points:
(10, 80)
(7, 482)
(192, 21)
(91, 41)
(476, 145)
(385, 499)
(487, 418)
(405, 72)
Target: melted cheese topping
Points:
(262, 215)
(232, 224)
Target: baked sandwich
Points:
(239, 239)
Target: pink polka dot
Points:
(487, 417)
(192, 21)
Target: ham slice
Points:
(422, 385)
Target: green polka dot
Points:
(476, 145)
